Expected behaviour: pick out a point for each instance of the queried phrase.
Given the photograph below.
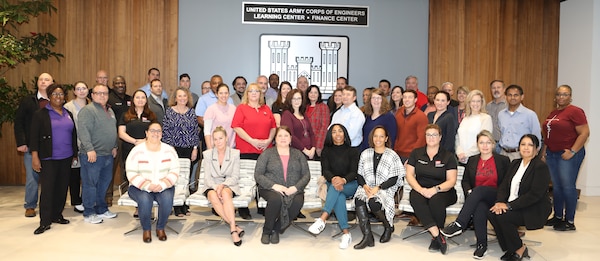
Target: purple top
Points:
(302, 132)
(62, 131)
(181, 130)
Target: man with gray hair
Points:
(449, 88)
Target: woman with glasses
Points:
(53, 143)
(293, 117)
(431, 173)
(483, 174)
(565, 132)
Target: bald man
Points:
(22, 129)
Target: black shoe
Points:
(434, 246)
(265, 239)
(260, 211)
(41, 229)
(506, 256)
(61, 221)
(480, 251)
(564, 226)
(442, 242)
(517, 257)
(365, 227)
(274, 237)
(244, 213)
(454, 229)
(553, 221)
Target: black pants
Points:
(477, 205)
(54, 180)
(374, 206)
(273, 209)
(506, 226)
(432, 211)
(75, 186)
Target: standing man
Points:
(119, 102)
(209, 98)
(102, 78)
(98, 136)
(496, 105)
(274, 84)
(302, 83)
(153, 74)
(350, 116)
(340, 84)
(385, 86)
(449, 88)
(264, 86)
(156, 101)
(239, 86)
(516, 121)
(412, 83)
(22, 129)
(186, 81)
(411, 123)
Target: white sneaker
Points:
(93, 219)
(107, 214)
(317, 227)
(346, 241)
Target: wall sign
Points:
(284, 13)
(320, 58)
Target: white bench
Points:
(453, 209)
(247, 189)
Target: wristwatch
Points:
(438, 188)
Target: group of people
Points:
(365, 152)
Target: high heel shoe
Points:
(241, 233)
(517, 257)
(237, 243)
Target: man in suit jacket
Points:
(156, 102)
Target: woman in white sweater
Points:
(476, 119)
(152, 170)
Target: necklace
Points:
(483, 162)
(304, 128)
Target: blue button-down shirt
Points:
(513, 125)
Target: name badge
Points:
(422, 162)
(439, 164)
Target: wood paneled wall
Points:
(472, 42)
(122, 37)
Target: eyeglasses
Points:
(101, 93)
(562, 95)
(154, 131)
(431, 135)
(58, 94)
(297, 99)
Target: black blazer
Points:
(533, 200)
(22, 127)
(41, 134)
(468, 181)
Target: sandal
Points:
(186, 210)
(240, 233)
(177, 211)
(236, 243)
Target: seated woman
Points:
(221, 175)
(339, 166)
(152, 170)
(281, 174)
(483, 173)
(522, 199)
(431, 172)
(380, 173)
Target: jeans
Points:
(336, 201)
(95, 179)
(32, 179)
(145, 202)
(564, 177)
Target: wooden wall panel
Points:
(122, 37)
(472, 42)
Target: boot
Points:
(365, 227)
(388, 229)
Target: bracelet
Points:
(574, 152)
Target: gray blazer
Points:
(227, 174)
(157, 109)
(269, 170)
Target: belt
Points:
(510, 150)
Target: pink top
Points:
(284, 162)
(219, 115)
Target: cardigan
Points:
(269, 170)
(533, 200)
(227, 174)
(144, 167)
(468, 180)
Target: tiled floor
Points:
(83, 241)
